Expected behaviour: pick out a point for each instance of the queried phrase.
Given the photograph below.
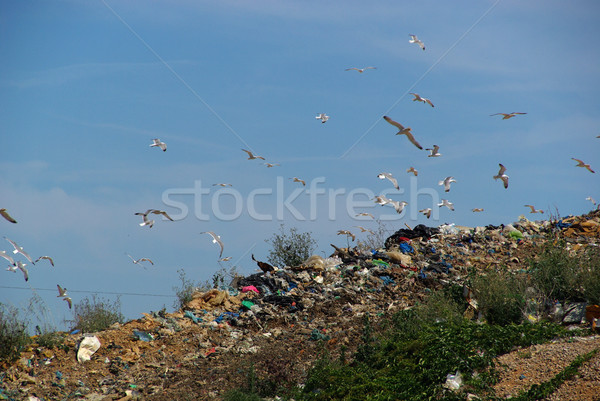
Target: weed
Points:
(97, 314)
(13, 334)
(290, 248)
(501, 296)
(185, 292)
(376, 239)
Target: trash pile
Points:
(282, 312)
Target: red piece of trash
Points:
(250, 288)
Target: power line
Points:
(90, 292)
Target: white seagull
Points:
(323, 117)
(216, 240)
(533, 210)
(580, 163)
(146, 221)
(589, 198)
(225, 259)
(221, 185)
(382, 200)
(426, 212)
(251, 156)
(361, 70)
(506, 115)
(20, 250)
(296, 179)
(446, 183)
(413, 170)
(403, 131)
(47, 258)
(447, 203)
(383, 176)
(414, 39)
(399, 206)
(365, 214)
(138, 261)
(269, 165)
(346, 233)
(434, 151)
(62, 292)
(157, 142)
(12, 261)
(7, 216)
(21, 266)
(418, 98)
(362, 230)
(502, 176)
(477, 209)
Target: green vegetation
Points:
(97, 314)
(185, 292)
(290, 248)
(376, 239)
(13, 334)
(501, 296)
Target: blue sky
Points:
(85, 86)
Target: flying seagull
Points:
(502, 176)
(7, 216)
(346, 233)
(365, 214)
(361, 70)
(21, 266)
(145, 222)
(45, 257)
(156, 211)
(157, 142)
(403, 131)
(138, 261)
(221, 185)
(413, 170)
(447, 203)
(20, 250)
(414, 39)
(216, 240)
(323, 117)
(580, 163)
(296, 179)
(418, 98)
(62, 292)
(426, 212)
(362, 230)
(271, 164)
(434, 151)
(399, 206)
(446, 183)
(382, 200)
(588, 198)
(251, 156)
(477, 209)
(225, 259)
(383, 176)
(265, 267)
(506, 115)
(12, 261)
(533, 210)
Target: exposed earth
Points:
(213, 344)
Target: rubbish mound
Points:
(279, 317)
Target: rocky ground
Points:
(277, 323)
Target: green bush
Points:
(501, 296)
(97, 314)
(290, 248)
(590, 275)
(557, 274)
(185, 292)
(13, 334)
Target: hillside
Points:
(274, 326)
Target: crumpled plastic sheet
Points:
(88, 346)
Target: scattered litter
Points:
(88, 346)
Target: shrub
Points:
(375, 240)
(501, 296)
(557, 274)
(185, 292)
(290, 248)
(590, 275)
(97, 314)
(13, 334)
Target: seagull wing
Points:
(413, 140)
(250, 155)
(68, 301)
(146, 260)
(21, 267)
(394, 123)
(61, 291)
(348, 69)
(45, 257)
(502, 170)
(7, 216)
(429, 102)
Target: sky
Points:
(86, 86)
